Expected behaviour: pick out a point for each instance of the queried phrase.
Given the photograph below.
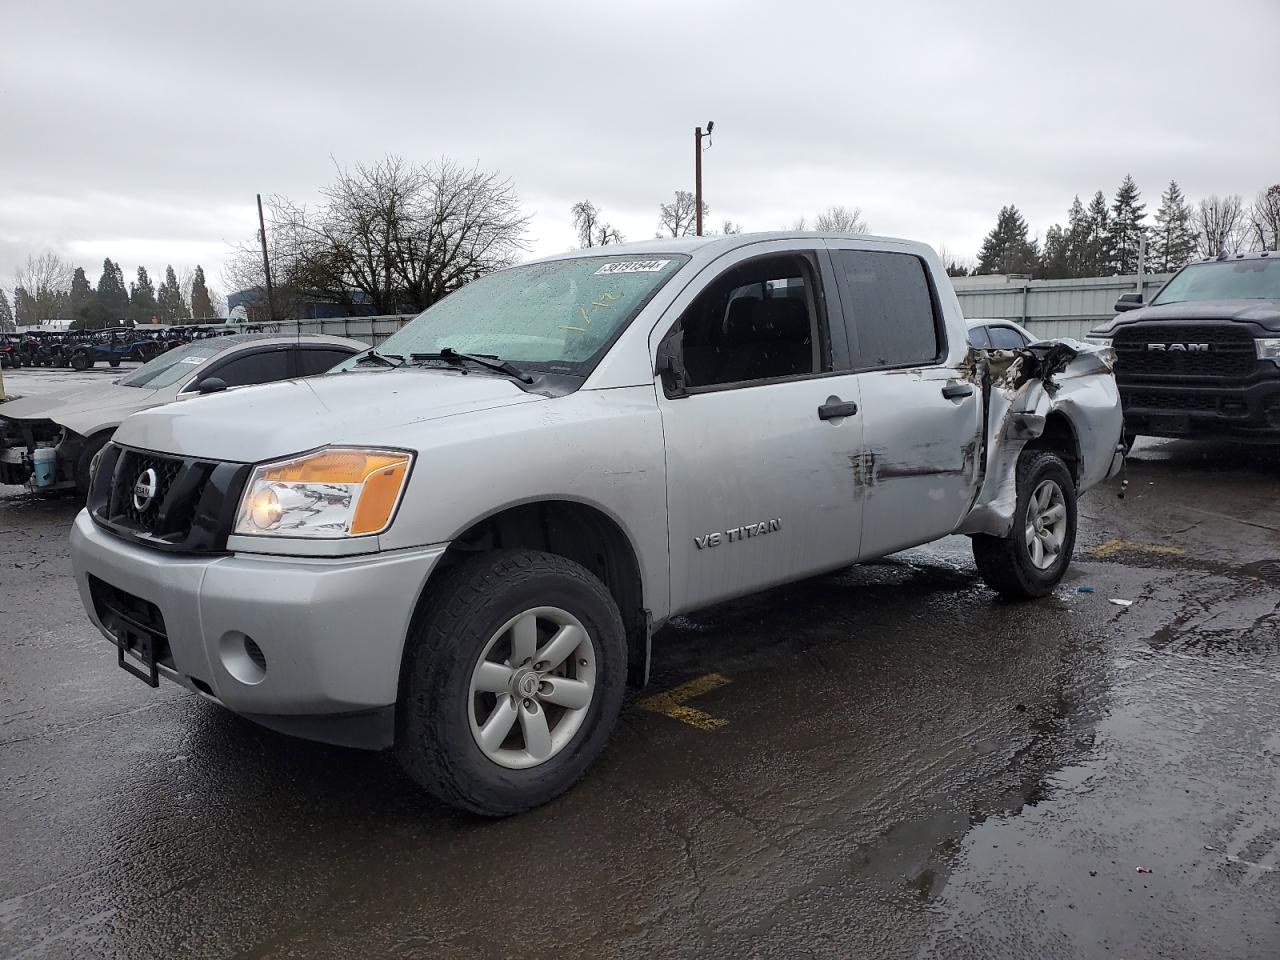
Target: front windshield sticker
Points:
(633, 266)
(193, 360)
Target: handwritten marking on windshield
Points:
(575, 329)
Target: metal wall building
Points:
(1051, 308)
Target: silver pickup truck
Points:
(459, 545)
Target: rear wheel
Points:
(1031, 561)
(513, 680)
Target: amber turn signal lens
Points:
(379, 497)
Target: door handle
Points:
(835, 408)
(954, 391)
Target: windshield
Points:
(560, 315)
(168, 368)
(1224, 280)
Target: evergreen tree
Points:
(201, 302)
(80, 300)
(1095, 243)
(1006, 248)
(112, 297)
(1174, 239)
(1126, 231)
(6, 314)
(25, 310)
(170, 305)
(1077, 239)
(1055, 261)
(142, 298)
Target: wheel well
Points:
(584, 535)
(1059, 437)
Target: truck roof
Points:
(716, 245)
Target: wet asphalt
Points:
(908, 767)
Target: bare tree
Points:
(46, 282)
(679, 217)
(839, 219)
(1219, 222)
(730, 228)
(1264, 219)
(592, 231)
(394, 235)
(799, 225)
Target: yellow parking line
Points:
(1129, 546)
(670, 703)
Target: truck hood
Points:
(82, 409)
(1263, 313)
(252, 424)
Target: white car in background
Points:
(993, 334)
(76, 423)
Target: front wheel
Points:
(1031, 560)
(513, 680)
(80, 361)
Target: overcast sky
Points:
(141, 131)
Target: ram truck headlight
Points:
(1268, 348)
(1099, 341)
(332, 493)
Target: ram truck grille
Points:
(1184, 352)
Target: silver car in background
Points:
(49, 441)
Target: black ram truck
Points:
(1203, 358)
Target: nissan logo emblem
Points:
(144, 489)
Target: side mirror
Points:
(212, 385)
(1128, 301)
(668, 366)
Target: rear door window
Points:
(1006, 338)
(888, 308)
(262, 367)
(978, 337)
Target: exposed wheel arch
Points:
(1060, 437)
(579, 532)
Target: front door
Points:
(761, 436)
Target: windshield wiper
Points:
(488, 360)
(386, 359)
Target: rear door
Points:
(762, 431)
(920, 412)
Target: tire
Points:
(1007, 563)
(114, 362)
(80, 360)
(461, 618)
(85, 461)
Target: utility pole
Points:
(697, 172)
(266, 263)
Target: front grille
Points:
(1175, 351)
(172, 503)
(1171, 401)
(136, 465)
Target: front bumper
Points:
(1250, 412)
(330, 631)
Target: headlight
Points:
(1099, 341)
(1269, 349)
(337, 492)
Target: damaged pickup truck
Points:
(459, 545)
